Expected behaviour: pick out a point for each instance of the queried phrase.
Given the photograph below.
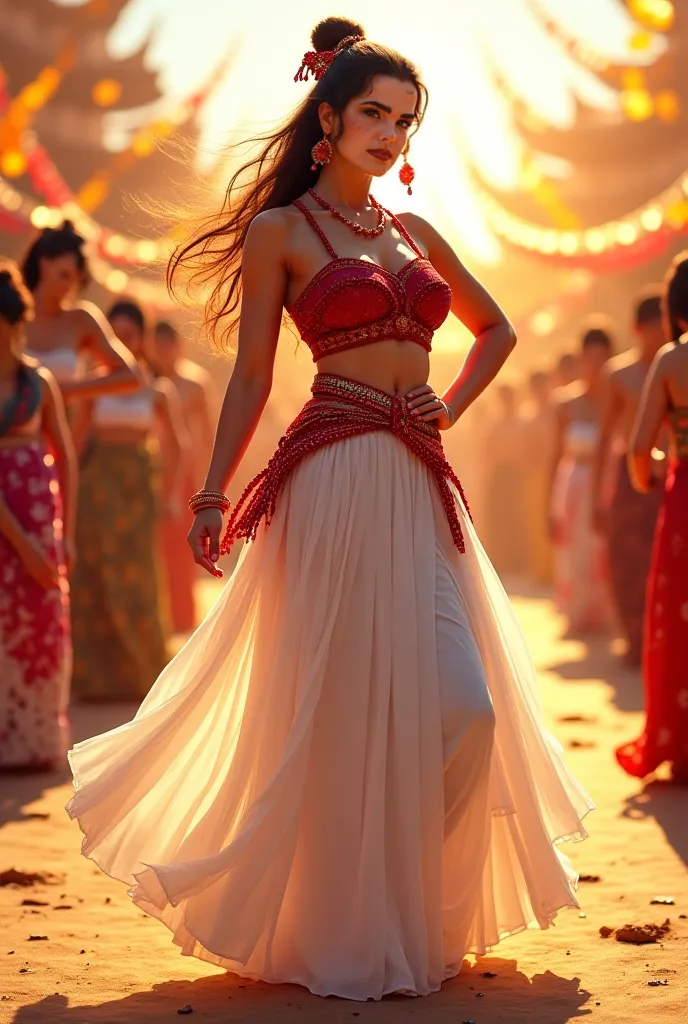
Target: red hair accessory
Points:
(317, 62)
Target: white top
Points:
(135, 410)
(581, 439)
(64, 363)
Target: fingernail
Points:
(214, 558)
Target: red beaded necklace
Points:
(356, 228)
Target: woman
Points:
(116, 587)
(505, 522)
(194, 387)
(72, 339)
(538, 438)
(315, 791)
(37, 509)
(665, 648)
(581, 572)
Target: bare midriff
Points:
(120, 435)
(395, 367)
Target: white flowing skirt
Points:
(343, 779)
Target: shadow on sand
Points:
(667, 803)
(20, 788)
(543, 999)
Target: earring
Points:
(321, 153)
(406, 174)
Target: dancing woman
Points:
(116, 588)
(665, 648)
(37, 509)
(343, 779)
(72, 339)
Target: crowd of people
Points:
(103, 428)
(582, 486)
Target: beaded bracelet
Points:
(209, 499)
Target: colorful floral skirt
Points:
(665, 652)
(35, 643)
(119, 635)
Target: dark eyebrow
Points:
(388, 110)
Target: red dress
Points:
(665, 659)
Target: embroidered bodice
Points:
(678, 420)
(354, 302)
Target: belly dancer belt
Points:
(341, 408)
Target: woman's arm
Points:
(648, 423)
(560, 420)
(612, 409)
(177, 442)
(56, 428)
(264, 282)
(116, 372)
(477, 310)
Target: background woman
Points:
(117, 599)
(665, 649)
(581, 571)
(37, 510)
(72, 339)
(342, 780)
(197, 401)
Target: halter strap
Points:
(404, 233)
(316, 227)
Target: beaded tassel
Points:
(340, 409)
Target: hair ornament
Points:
(317, 62)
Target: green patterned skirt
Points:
(117, 622)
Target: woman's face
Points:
(592, 361)
(375, 126)
(60, 276)
(129, 333)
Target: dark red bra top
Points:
(353, 302)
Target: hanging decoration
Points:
(617, 244)
(654, 15)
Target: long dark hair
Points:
(281, 172)
(16, 301)
(675, 300)
(49, 244)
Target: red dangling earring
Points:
(406, 174)
(321, 153)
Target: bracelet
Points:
(209, 499)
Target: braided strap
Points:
(340, 409)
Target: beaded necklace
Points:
(356, 228)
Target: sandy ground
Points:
(101, 960)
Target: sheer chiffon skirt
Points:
(343, 779)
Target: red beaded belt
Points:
(342, 408)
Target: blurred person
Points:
(629, 520)
(71, 338)
(196, 393)
(343, 779)
(538, 440)
(37, 512)
(665, 648)
(505, 523)
(581, 572)
(117, 601)
(567, 370)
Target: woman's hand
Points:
(423, 404)
(39, 567)
(204, 539)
